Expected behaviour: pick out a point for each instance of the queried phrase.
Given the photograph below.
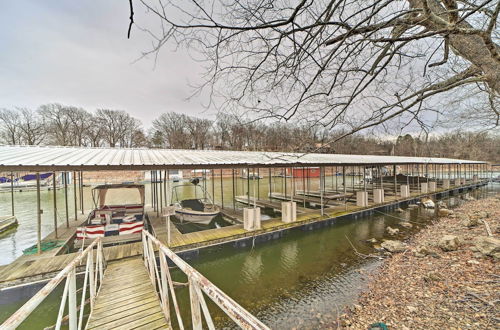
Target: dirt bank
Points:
(448, 276)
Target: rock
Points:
(444, 212)
(449, 243)
(480, 215)
(488, 246)
(473, 262)
(400, 210)
(421, 251)
(469, 198)
(391, 231)
(394, 246)
(441, 205)
(405, 224)
(372, 240)
(428, 203)
(468, 221)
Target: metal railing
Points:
(94, 273)
(198, 284)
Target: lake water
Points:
(300, 280)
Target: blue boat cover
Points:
(30, 177)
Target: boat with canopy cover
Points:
(114, 219)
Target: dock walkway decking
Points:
(127, 299)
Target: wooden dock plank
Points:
(127, 298)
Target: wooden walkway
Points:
(127, 299)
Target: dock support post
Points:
(424, 187)
(361, 198)
(221, 191)
(395, 182)
(345, 187)
(65, 176)
(234, 201)
(55, 202)
(81, 192)
(446, 184)
(12, 193)
(288, 212)
(378, 196)
(405, 191)
(161, 192)
(321, 188)
(39, 215)
(74, 195)
(432, 186)
(270, 184)
(248, 185)
(292, 183)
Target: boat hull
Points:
(195, 216)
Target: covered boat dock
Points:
(345, 185)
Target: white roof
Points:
(47, 158)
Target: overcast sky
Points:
(77, 53)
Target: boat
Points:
(196, 210)
(107, 220)
(26, 182)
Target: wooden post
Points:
(304, 185)
(293, 184)
(81, 192)
(254, 189)
(39, 215)
(72, 300)
(195, 306)
(55, 202)
(258, 182)
(321, 188)
(248, 186)
(12, 193)
(74, 194)
(270, 184)
(345, 187)
(161, 193)
(65, 176)
(221, 190)
(395, 182)
(234, 199)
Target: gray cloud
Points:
(77, 53)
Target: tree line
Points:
(56, 124)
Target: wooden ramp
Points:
(127, 299)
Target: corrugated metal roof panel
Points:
(67, 158)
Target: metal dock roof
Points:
(56, 158)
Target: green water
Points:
(300, 280)
(13, 243)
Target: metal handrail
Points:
(162, 280)
(93, 277)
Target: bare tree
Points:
(10, 131)
(342, 64)
(172, 127)
(114, 126)
(199, 130)
(57, 120)
(32, 127)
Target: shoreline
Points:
(446, 276)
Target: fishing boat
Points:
(124, 220)
(200, 209)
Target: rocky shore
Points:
(446, 277)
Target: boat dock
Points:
(320, 206)
(7, 223)
(127, 299)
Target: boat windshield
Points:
(186, 192)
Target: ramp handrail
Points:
(93, 277)
(198, 284)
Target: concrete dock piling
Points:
(251, 218)
(288, 211)
(432, 186)
(424, 188)
(378, 195)
(362, 198)
(405, 191)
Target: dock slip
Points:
(127, 299)
(132, 293)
